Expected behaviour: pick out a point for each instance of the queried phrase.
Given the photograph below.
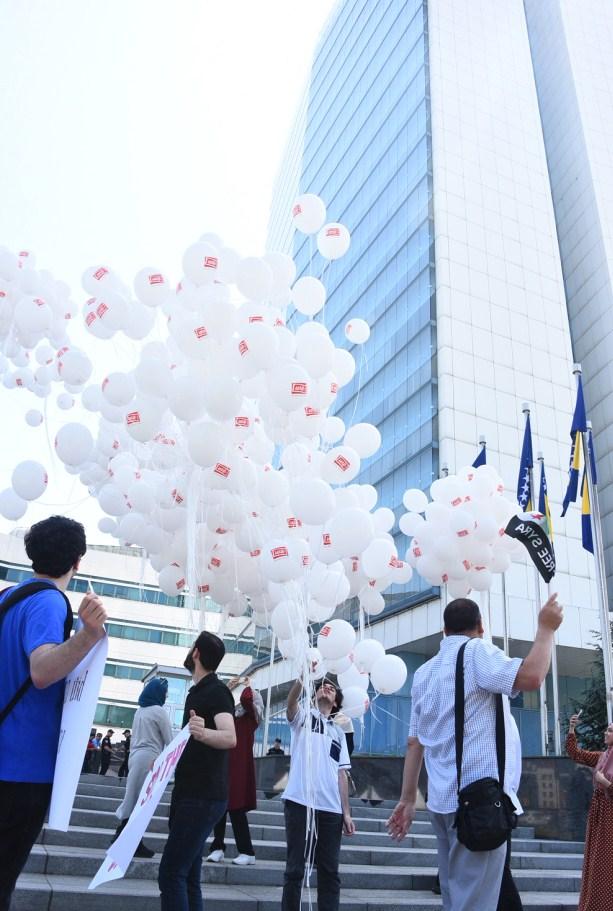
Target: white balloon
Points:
(336, 639)
(384, 519)
(308, 213)
(74, 367)
(74, 444)
(107, 525)
(201, 263)
(333, 240)
(172, 580)
(29, 480)
(222, 396)
(142, 420)
(353, 677)
(410, 524)
(118, 388)
(377, 557)
(308, 295)
(151, 286)
(254, 278)
(273, 487)
(65, 401)
(343, 366)
(357, 331)
(280, 562)
(185, 399)
(364, 438)
(12, 506)
(366, 653)
(388, 674)
(286, 620)
(371, 600)
(288, 384)
(333, 429)
(340, 465)
(34, 417)
(414, 500)
(312, 500)
(112, 501)
(352, 530)
(355, 702)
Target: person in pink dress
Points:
(598, 857)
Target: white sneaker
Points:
(215, 857)
(244, 859)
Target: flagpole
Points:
(443, 588)
(557, 740)
(537, 597)
(601, 578)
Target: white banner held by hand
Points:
(121, 852)
(80, 699)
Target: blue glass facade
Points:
(367, 154)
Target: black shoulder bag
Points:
(14, 596)
(485, 816)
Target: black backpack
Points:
(14, 596)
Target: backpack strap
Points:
(459, 721)
(14, 596)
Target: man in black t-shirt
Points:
(200, 794)
(106, 753)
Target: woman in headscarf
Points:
(242, 798)
(151, 733)
(598, 857)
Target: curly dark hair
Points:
(55, 545)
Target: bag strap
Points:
(14, 596)
(459, 722)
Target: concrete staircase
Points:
(376, 874)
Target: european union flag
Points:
(524, 490)
(481, 458)
(586, 516)
(578, 427)
(544, 503)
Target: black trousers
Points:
(327, 848)
(509, 899)
(123, 768)
(240, 827)
(23, 806)
(105, 761)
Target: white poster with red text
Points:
(121, 852)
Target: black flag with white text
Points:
(532, 535)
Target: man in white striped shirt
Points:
(469, 880)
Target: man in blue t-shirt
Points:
(32, 644)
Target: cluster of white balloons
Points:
(216, 451)
(458, 537)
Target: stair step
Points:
(69, 893)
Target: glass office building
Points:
(366, 150)
(422, 130)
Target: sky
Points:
(129, 128)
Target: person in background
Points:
(95, 760)
(89, 752)
(276, 749)
(151, 733)
(598, 855)
(200, 793)
(106, 752)
(123, 768)
(241, 797)
(316, 798)
(37, 652)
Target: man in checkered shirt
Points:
(469, 880)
